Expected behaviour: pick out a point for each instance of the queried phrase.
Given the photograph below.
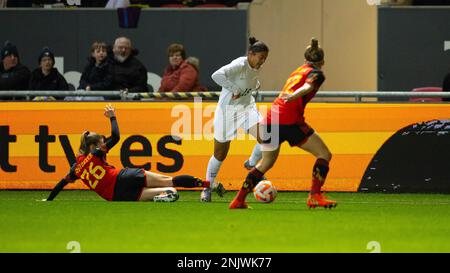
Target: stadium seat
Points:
(426, 89)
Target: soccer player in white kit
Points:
(236, 109)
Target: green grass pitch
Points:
(398, 222)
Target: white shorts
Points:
(228, 121)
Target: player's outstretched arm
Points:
(70, 177)
(115, 134)
(61, 184)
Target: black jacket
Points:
(53, 81)
(16, 78)
(97, 77)
(131, 75)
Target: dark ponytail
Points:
(314, 53)
(257, 46)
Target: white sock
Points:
(213, 170)
(256, 155)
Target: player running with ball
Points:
(236, 109)
(286, 122)
(128, 184)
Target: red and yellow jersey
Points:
(98, 175)
(292, 112)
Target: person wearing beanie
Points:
(46, 52)
(46, 77)
(13, 75)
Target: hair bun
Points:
(313, 52)
(252, 40)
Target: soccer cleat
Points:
(205, 196)
(207, 192)
(166, 196)
(320, 200)
(236, 204)
(219, 189)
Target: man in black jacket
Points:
(13, 75)
(129, 73)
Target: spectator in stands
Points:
(446, 85)
(13, 75)
(98, 73)
(129, 73)
(181, 75)
(46, 77)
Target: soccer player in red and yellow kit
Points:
(285, 122)
(128, 184)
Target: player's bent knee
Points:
(220, 155)
(326, 156)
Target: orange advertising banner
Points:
(38, 140)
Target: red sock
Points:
(316, 186)
(253, 177)
(320, 171)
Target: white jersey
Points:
(236, 78)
